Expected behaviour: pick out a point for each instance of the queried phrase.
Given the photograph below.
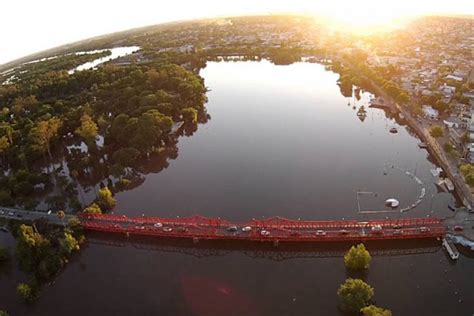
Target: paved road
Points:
(18, 214)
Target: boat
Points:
(422, 145)
(393, 130)
(393, 203)
(449, 184)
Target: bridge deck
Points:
(273, 229)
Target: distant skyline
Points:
(31, 26)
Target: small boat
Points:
(393, 130)
(393, 203)
(422, 145)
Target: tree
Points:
(403, 97)
(4, 145)
(468, 171)
(105, 199)
(88, 129)
(373, 310)
(69, 243)
(190, 115)
(3, 313)
(61, 216)
(357, 258)
(26, 293)
(436, 131)
(31, 247)
(441, 106)
(93, 209)
(354, 294)
(44, 133)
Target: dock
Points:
(451, 249)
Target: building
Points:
(430, 113)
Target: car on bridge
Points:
(377, 229)
(424, 229)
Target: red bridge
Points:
(273, 229)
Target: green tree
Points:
(403, 98)
(26, 293)
(3, 313)
(88, 129)
(373, 310)
(357, 258)
(4, 144)
(44, 133)
(190, 114)
(355, 294)
(436, 131)
(105, 199)
(31, 247)
(468, 172)
(441, 106)
(93, 209)
(61, 216)
(69, 243)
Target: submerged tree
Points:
(88, 129)
(373, 310)
(357, 258)
(355, 294)
(44, 133)
(27, 293)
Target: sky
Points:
(29, 26)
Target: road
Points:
(19, 214)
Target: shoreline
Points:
(461, 189)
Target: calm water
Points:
(281, 141)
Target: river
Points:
(281, 141)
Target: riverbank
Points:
(462, 190)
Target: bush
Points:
(355, 294)
(357, 258)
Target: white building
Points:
(430, 113)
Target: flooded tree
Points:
(44, 133)
(354, 294)
(373, 310)
(357, 258)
